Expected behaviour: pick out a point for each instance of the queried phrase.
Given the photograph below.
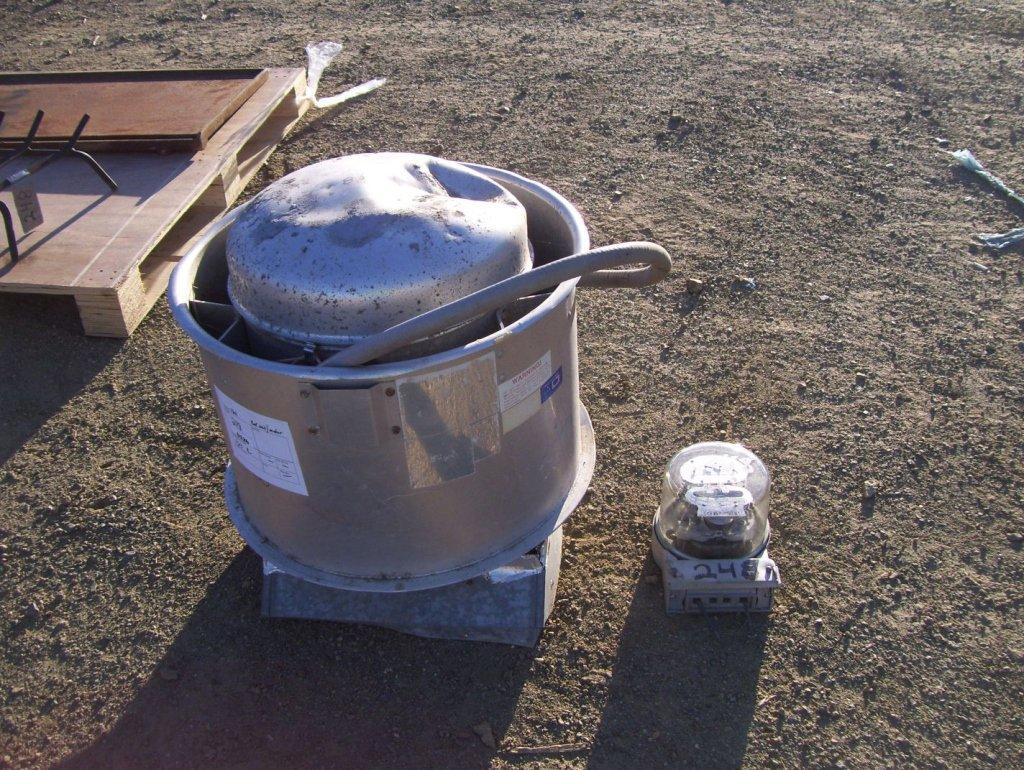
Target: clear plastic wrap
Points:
(318, 56)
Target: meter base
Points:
(507, 605)
(716, 585)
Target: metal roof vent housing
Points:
(391, 343)
(352, 246)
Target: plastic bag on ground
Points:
(318, 56)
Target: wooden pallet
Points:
(114, 252)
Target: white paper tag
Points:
(26, 201)
(263, 445)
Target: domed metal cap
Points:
(351, 246)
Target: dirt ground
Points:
(795, 144)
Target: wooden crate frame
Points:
(117, 275)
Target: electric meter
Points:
(710, 535)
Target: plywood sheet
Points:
(138, 110)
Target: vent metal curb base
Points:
(508, 605)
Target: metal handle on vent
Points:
(594, 268)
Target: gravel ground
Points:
(794, 144)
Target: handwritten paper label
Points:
(263, 445)
(26, 202)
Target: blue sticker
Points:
(549, 387)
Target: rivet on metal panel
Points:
(396, 429)
(308, 409)
(389, 392)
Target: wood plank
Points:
(166, 110)
(79, 225)
(114, 312)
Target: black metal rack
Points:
(68, 149)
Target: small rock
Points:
(694, 286)
(743, 283)
(824, 298)
(875, 143)
(861, 379)
(486, 735)
(801, 388)
(870, 490)
(1016, 539)
(818, 623)
(616, 194)
(103, 502)
(168, 674)
(941, 141)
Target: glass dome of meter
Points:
(714, 502)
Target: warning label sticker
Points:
(521, 396)
(263, 445)
(524, 384)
